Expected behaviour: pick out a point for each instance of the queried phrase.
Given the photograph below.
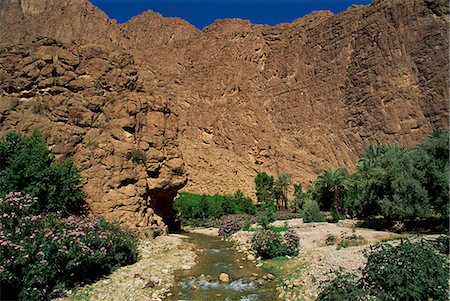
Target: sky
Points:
(201, 13)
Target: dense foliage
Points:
(194, 209)
(431, 159)
(42, 255)
(299, 198)
(311, 212)
(330, 188)
(271, 191)
(27, 165)
(137, 156)
(269, 244)
(391, 181)
(405, 271)
(45, 246)
(264, 188)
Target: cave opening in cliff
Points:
(161, 201)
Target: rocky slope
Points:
(233, 99)
(89, 103)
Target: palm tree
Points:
(372, 152)
(333, 183)
(281, 190)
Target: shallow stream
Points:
(218, 256)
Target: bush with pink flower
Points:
(42, 255)
(269, 244)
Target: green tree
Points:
(431, 160)
(244, 204)
(331, 186)
(264, 188)
(298, 198)
(391, 186)
(280, 190)
(27, 165)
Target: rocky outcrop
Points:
(89, 103)
(295, 98)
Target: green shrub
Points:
(243, 204)
(330, 240)
(407, 271)
(263, 221)
(270, 244)
(342, 287)
(41, 256)
(311, 212)
(137, 156)
(291, 242)
(200, 209)
(26, 165)
(350, 241)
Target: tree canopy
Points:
(27, 165)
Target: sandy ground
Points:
(159, 260)
(316, 261)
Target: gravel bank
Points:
(148, 279)
(303, 274)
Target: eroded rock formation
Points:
(89, 103)
(295, 98)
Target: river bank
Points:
(148, 279)
(321, 253)
(154, 276)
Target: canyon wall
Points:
(220, 104)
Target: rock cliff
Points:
(234, 99)
(90, 103)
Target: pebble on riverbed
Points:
(251, 257)
(224, 277)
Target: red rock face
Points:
(90, 103)
(234, 99)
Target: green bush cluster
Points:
(390, 181)
(194, 209)
(405, 271)
(269, 244)
(26, 165)
(42, 255)
(45, 246)
(137, 156)
(311, 212)
(350, 241)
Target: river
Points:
(218, 256)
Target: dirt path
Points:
(148, 279)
